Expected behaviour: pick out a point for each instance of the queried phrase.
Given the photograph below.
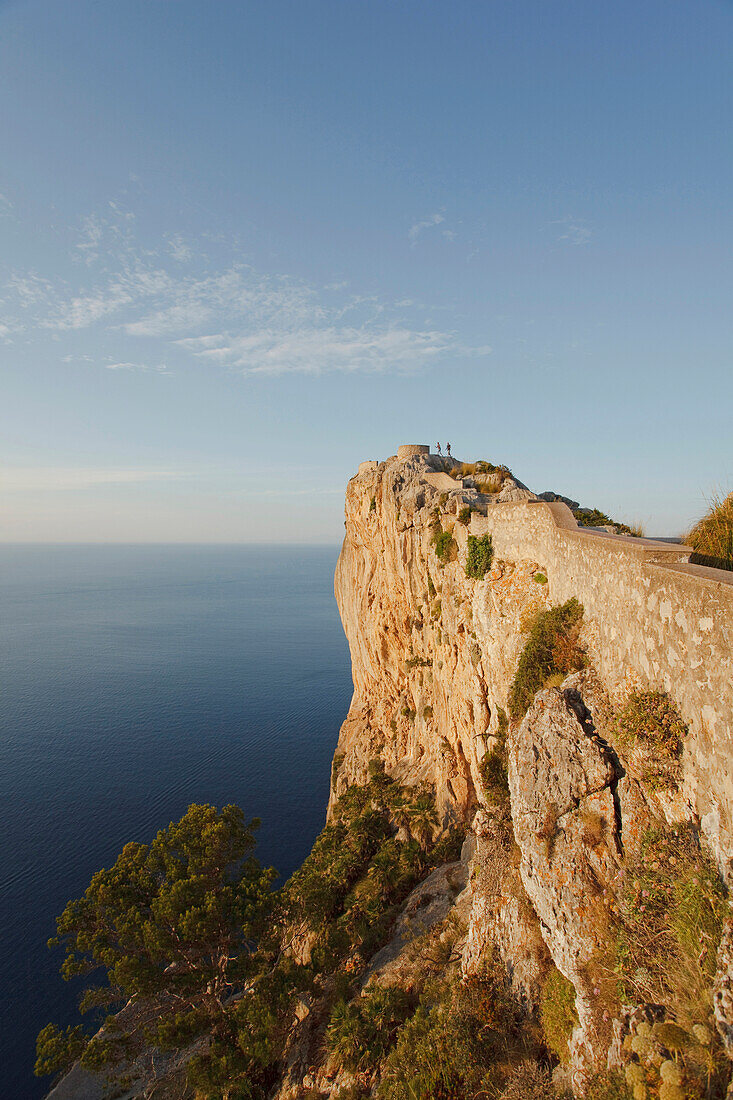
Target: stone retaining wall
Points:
(653, 621)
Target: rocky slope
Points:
(434, 655)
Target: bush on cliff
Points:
(557, 1012)
(712, 537)
(444, 545)
(650, 719)
(361, 1032)
(551, 649)
(593, 517)
(480, 556)
(457, 1044)
(672, 907)
(671, 912)
(188, 928)
(344, 895)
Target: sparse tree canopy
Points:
(172, 927)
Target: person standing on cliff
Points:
(447, 449)
(437, 447)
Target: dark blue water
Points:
(134, 681)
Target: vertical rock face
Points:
(566, 817)
(432, 652)
(433, 657)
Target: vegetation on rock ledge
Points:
(480, 556)
(650, 721)
(444, 544)
(552, 649)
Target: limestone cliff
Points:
(434, 654)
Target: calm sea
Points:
(134, 681)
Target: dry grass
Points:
(712, 537)
(488, 485)
(489, 478)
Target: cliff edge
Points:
(447, 576)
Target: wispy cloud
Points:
(178, 249)
(427, 223)
(87, 247)
(575, 230)
(23, 479)
(160, 368)
(178, 301)
(314, 351)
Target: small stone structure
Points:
(407, 450)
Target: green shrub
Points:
(557, 1012)
(431, 587)
(494, 776)
(464, 516)
(551, 649)
(449, 1048)
(592, 517)
(436, 610)
(444, 545)
(480, 556)
(540, 578)
(373, 504)
(361, 1032)
(335, 768)
(348, 891)
(652, 719)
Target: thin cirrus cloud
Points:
(161, 368)
(177, 302)
(314, 350)
(575, 231)
(427, 223)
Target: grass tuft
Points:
(712, 537)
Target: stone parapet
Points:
(655, 622)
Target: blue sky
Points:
(244, 246)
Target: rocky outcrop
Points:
(433, 657)
(432, 652)
(563, 780)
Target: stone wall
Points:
(653, 622)
(407, 450)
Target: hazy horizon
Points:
(245, 247)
